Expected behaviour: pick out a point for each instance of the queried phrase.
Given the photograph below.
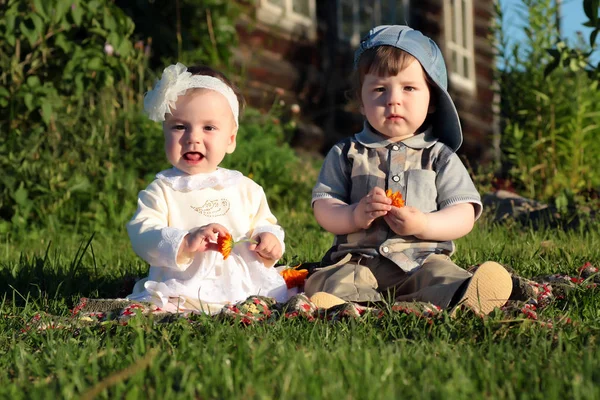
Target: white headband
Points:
(175, 81)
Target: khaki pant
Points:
(362, 279)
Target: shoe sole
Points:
(325, 300)
(490, 287)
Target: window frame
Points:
(454, 43)
(355, 37)
(286, 18)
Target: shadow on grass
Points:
(51, 277)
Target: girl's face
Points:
(199, 132)
(396, 106)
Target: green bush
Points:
(580, 57)
(263, 154)
(53, 52)
(550, 130)
(68, 73)
(188, 31)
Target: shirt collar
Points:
(369, 137)
(183, 182)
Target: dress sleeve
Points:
(151, 236)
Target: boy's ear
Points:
(232, 142)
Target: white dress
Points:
(176, 203)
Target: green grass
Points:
(397, 356)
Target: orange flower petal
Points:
(225, 244)
(397, 200)
(294, 277)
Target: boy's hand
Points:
(374, 205)
(198, 240)
(268, 246)
(406, 221)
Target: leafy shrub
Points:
(264, 155)
(68, 73)
(56, 48)
(579, 58)
(188, 31)
(550, 134)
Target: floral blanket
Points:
(528, 297)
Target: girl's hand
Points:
(406, 221)
(199, 240)
(374, 205)
(268, 246)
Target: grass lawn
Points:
(396, 356)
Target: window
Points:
(357, 17)
(295, 16)
(459, 30)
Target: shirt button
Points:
(395, 178)
(385, 249)
(395, 148)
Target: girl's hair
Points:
(204, 70)
(382, 61)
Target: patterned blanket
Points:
(529, 296)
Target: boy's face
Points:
(396, 106)
(199, 132)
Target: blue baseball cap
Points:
(445, 120)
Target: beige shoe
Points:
(489, 287)
(325, 300)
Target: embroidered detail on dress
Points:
(213, 208)
(183, 182)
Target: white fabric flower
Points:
(175, 81)
(162, 98)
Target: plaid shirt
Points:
(428, 173)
